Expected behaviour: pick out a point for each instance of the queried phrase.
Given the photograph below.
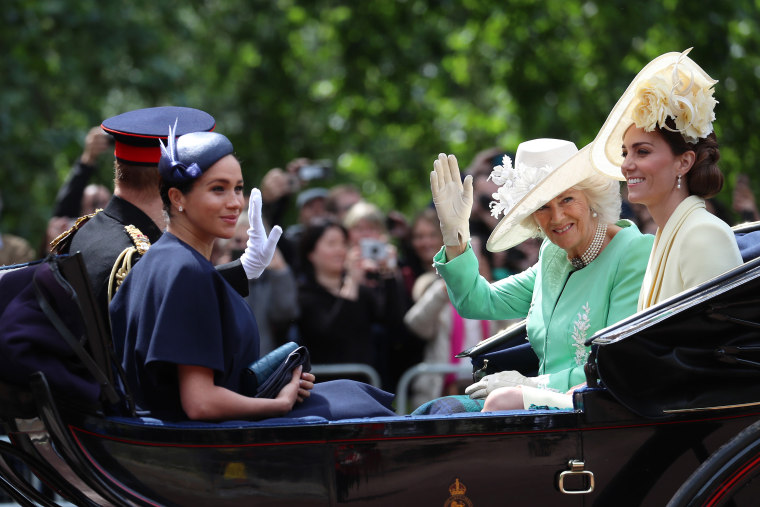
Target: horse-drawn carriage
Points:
(671, 414)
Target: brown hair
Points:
(705, 178)
(184, 187)
(136, 177)
(310, 236)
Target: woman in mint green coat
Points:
(588, 276)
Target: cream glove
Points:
(259, 249)
(512, 378)
(452, 199)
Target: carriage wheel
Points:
(730, 476)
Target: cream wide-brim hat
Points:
(606, 149)
(569, 167)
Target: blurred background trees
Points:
(378, 87)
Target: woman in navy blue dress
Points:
(183, 334)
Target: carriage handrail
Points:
(423, 369)
(361, 369)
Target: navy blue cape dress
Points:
(174, 308)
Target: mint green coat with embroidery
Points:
(563, 306)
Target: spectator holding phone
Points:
(379, 270)
(338, 312)
(365, 223)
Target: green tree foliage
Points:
(379, 87)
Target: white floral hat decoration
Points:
(670, 86)
(543, 169)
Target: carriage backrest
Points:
(49, 322)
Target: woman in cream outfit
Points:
(659, 138)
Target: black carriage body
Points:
(617, 447)
(500, 459)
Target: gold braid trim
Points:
(141, 241)
(127, 258)
(121, 269)
(66, 234)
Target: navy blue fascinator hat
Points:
(186, 157)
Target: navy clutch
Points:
(265, 377)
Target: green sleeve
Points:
(475, 298)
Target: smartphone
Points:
(318, 170)
(374, 249)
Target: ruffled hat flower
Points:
(677, 95)
(514, 183)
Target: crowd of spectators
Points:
(353, 282)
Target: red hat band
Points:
(137, 154)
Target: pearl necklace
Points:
(593, 249)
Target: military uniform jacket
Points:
(564, 307)
(103, 238)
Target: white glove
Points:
(512, 378)
(452, 199)
(259, 249)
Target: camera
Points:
(319, 170)
(374, 249)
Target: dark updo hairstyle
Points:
(705, 178)
(163, 188)
(310, 235)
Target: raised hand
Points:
(259, 248)
(453, 200)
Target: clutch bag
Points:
(265, 377)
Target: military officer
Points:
(113, 238)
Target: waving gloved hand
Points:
(452, 198)
(512, 378)
(259, 249)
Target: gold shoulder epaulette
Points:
(141, 241)
(127, 259)
(67, 234)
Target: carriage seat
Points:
(749, 245)
(748, 240)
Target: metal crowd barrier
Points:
(348, 369)
(402, 388)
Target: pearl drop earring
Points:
(594, 213)
(679, 182)
(180, 209)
